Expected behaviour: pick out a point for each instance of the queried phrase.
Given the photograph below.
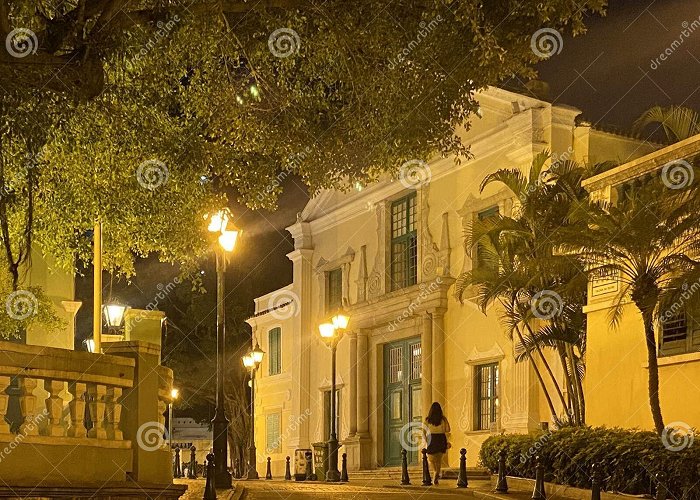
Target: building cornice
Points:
(644, 165)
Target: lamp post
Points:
(251, 361)
(174, 393)
(226, 242)
(331, 333)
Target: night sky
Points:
(607, 73)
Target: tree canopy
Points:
(141, 114)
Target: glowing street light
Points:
(227, 236)
(331, 332)
(252, 361)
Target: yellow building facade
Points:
(616, 380)
(388, 254)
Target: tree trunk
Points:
(539, 375)
(574, 412)
(565, 405)
(654, 401)
(578, 385)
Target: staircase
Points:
(414, 472)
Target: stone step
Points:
(413, 471)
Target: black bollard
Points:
(309, 466)
(595, 482)
(268, 474)
(502, 484)
(209, 488)
(405, 480)
(539, 493)
(427, 481)
(462, 481)
(177, 472)
(344, 469)
(192, 469)
(287, 470)
(661, 488)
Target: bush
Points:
(629, 459)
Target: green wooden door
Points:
(402, 400)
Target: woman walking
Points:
(435, 433)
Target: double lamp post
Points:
(331, 333)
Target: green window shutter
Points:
(404, 243)
(334, 290)
(275, 347)
(272, 427)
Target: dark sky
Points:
(606, 73)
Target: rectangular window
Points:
(334, 290)
(404, 243)
(272, 428)
(480, 258)
(679, 334)
(486, 395)
(275, 348)
(327, 414)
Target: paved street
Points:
(368, 489)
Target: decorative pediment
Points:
(326, 383)
(494, 353)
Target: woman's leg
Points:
(433, 461)
(437, 465)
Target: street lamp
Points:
(226, 237)
(251, 361)
(114, 316)
(174, 393)
(331, 333)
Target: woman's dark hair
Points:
(435, 414)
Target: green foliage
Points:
(25, 308)
(629, 459)
(677, 122)
(361, 89)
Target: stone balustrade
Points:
(77, 419)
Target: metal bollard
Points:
(405, 480)
(287, 470)
(661, 488)
(192, 469)
(268, 474)
(502, 484)
(595, 482)
(209, 488)
(309, 467)
(344, 469)
(177, 472)
(539, 493)
(427, 481)
(462, 481)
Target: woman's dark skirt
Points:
(438, 444)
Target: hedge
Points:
(629, 459)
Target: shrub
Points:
(629, 459)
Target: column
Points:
(362, 384)
(438, 361)
(305, 334)
(352, 338)
(426, 342)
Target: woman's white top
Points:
(443, 428)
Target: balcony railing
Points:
(83, 422)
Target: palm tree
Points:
(648, 239)
(678, 122)
(525, 264)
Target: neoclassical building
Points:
(388, 255)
